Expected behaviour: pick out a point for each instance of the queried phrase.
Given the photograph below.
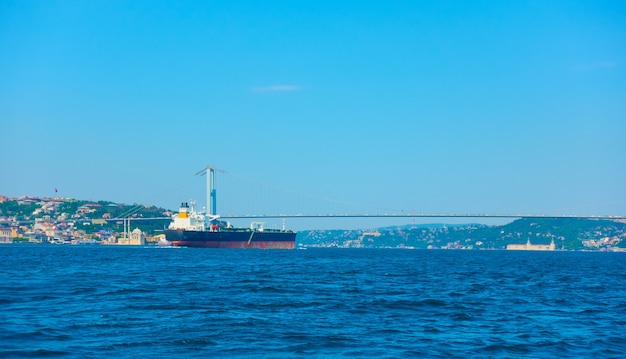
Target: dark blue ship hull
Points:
(232, 238)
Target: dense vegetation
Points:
(82, 213)
(567, 233)
(15, 209)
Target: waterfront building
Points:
(136, 238)
(6, 235)
(531, 247)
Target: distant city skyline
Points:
(456, 107)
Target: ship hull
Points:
(232, 239)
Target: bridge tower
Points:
(211, 193)
(211, 200)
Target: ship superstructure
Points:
(187, 218)
(194, 229)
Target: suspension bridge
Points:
(243, 199)
(419, 215)
(238, 194)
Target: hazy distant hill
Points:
(569, 234)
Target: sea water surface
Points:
(127, 302)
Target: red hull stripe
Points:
(236, 244)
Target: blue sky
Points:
(456, 106)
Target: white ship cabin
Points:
(257, 226)
(187, 218)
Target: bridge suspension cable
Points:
(241, 194)
(242, 197)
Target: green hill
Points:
(567, 233)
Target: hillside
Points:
(568, 234)
(62, 217)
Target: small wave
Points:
(38, 353)
(195, 342)
(42, 334)
(458, 317)
(506, 349)
(455, 294)
(4, 301)
(269, 289)
(432, 303)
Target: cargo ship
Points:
(190, 228)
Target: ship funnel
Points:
(183, 212)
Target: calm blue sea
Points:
(123, 302)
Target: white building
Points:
(6, 236)
(531, 247)
(137, 238)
